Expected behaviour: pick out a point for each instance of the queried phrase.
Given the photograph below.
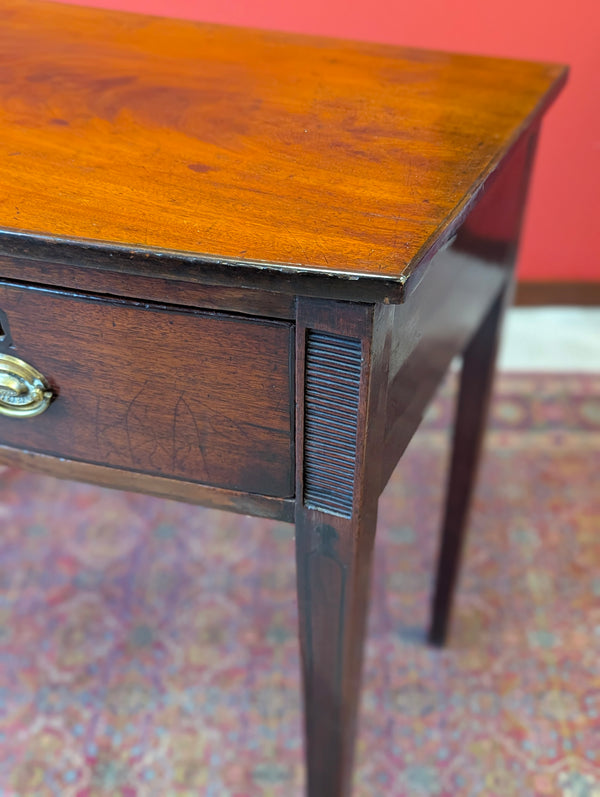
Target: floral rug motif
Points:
(148, 648)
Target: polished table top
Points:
(253, 149)
(235, 268)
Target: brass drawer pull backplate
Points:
(24, 392)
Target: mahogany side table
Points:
(234, 267)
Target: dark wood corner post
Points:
(341, 380)
(476, 380)
(501, 209)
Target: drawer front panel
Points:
(199, 396)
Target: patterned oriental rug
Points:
(148, 648)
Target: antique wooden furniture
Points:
(235, 266)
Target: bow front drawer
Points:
(170, 391)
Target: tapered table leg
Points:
(473, 399)
(333, 596)
(342, 356)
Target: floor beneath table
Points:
(551, 339)
(145, 653)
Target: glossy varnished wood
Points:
(172, 291)
(475, 388)
(406, 351)
(491, 235)
(197, 396)
(445, 309)
(334, 547)
(244, 261)
(239, 147)
(160, 486)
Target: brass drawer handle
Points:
(24, 392)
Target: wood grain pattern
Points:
(333, 553)
(165, 161)
(197, 396)
(501, 214)
(435, 323)
(476, 380)
(175, 489)
(245, 147)
(173, 291)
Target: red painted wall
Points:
(562, 230)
